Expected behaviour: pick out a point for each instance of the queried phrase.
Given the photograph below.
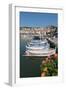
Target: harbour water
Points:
(29, 65)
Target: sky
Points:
(32, 19)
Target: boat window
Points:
(36, 38)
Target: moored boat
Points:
(39, 47)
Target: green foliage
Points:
(50, 67)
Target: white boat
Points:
(39, 47)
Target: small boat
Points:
(39, 47)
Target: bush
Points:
(50, 66)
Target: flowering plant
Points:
(49, 66)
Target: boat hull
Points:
(40, 52)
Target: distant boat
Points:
(39, 47)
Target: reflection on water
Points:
(29, 65)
